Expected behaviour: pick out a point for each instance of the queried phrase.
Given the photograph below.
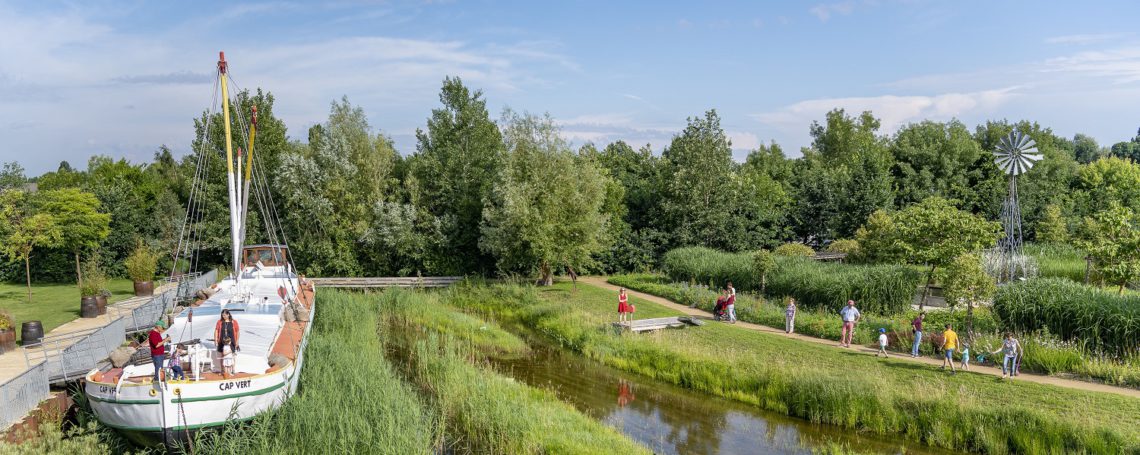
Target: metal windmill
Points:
(1015, 155)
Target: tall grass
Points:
(483, 410)
(883, 289)
(1104, 321)
(822, 384)
(351, 400)
(1058, 260)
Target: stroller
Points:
(720, 311)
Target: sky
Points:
(123, 78)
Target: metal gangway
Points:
(68, 356)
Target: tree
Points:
(545, 209)
(23, 229)
(964, 280)
(1085, 149)
(763, 263)
(331, 190)
(934, 232)
(457, 159)
(1101, 183)
(1052, 228)
(933, 159)
(77, 213)
(697, 197)
(1112, 239)
(879, 241)
(12, 176)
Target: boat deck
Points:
(287, 344)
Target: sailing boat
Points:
(261, 291)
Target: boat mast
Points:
(248, 171)
(231, 182)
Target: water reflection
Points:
(672, 420)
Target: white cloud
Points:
(1121, 65)
(894, 111)
(111, 91)
(825, 11)
(1084, 38)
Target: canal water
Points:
(672, 420)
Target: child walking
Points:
(965, 357)
(882, 342)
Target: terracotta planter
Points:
(101, 303)
(7, 341)
(88, 307)
(31, 332)
(144, 288)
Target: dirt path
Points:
(977, 369)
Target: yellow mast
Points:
(234, 229)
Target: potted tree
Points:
(89, 289)
(7, 332)
(141, 266)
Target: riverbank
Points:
(819, 383)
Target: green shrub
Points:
(141, 264)
(794, 249)
(1104, 321)
(706, 265)
(845, 246)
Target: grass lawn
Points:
(53, 304)
(825, 384)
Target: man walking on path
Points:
(731, 303)
(949, 344)
(917, 324)
(851, 317)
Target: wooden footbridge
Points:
(647, 325)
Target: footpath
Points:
(600, 282)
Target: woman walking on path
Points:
(790, 316)
(949, 344)
(851, 317)
(731, 303)
(917, 324)
(1011, 350)
(623, 307)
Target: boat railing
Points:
(23, 393)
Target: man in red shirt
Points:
(157, 346)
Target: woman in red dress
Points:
(624, 309)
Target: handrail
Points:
(22, 393)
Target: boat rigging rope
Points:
(193, 202)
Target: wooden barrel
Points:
(88, 307)
(144, 288)
(7, 341)
(31, 332)
(101, 303)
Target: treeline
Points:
(511, 196)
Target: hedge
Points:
(1103, 320)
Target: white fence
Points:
(22, 394)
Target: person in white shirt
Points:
(851, 317)
(882, 342)
(731, 303)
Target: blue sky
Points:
(123, 78)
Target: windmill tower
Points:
(1015, 155)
